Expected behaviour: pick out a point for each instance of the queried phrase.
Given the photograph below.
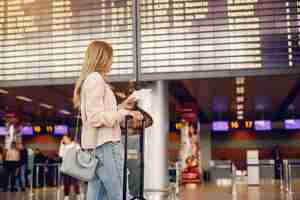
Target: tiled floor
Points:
(240, 191)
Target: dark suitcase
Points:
(140, 195)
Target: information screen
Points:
(220, 126)
(292, 124)
(47, 38)
(60, 130)
(27, 130)
(3, 131)
(262, 125)
(219, 34)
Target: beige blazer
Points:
(100, 114)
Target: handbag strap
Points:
(77, 129)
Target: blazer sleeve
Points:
(94, 99)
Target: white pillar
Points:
(156, 140)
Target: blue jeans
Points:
(108, 183)
(21, 177)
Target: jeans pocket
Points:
(118, 156)
(99, 157)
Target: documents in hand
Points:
(140, 94)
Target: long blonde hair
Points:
(98, 58)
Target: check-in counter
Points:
(220, 170)
(266, 169)
(295, 168)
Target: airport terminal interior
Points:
(223, 141)
(217, 81)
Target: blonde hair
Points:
(98, 58)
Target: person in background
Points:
(39, 160)
(13, 125)
(39, 157)
(30, 166)
(2, 171)
(11, 165)
(68, 181)
(22, 176)
(278, 162)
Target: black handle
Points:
(127, 118)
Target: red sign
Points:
(188, 111)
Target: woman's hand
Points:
(137, 118)
(136, 115)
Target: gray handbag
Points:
(79, 163)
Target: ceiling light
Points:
(240, 90)
(65, 112)
(240, 80)
(24, 98)
(290, 121)
(46, 105)
(240, 117)
(240, 107)
(28, 1)
(3, 91)
(240, 99)
(240, 112)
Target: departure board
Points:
(47, 38)
(190, 35)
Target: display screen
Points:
(262, 125)
(60, 130)
(186, 35)
(27, 130)
(3, 130)
(220, 126)
(47, 39)
(292, 124)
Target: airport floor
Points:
(240, 191)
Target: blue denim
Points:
(21, 178)
(108, 183)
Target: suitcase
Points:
(140, 195)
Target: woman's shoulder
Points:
(93, 79)
(94, 76)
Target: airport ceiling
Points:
(42, 104)
(265, 97)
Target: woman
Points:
(97, 102)
(11, 165)
(65, 144)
